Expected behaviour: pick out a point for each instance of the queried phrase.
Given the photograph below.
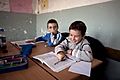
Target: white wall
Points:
(102, 20)
(55, 5)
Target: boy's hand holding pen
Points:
(62, 57)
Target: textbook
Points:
(51, 60)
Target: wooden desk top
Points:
(34, 72)
(65, 74)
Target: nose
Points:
(73, 38)
(53, 28)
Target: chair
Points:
(98, 49)
(65, 34)
(100, 53)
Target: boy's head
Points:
(52, 26)
(77, 31)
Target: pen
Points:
(68, 57)
(59, 61)
(65, 58)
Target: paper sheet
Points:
(81, 67)
(23, 42)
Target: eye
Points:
(50, 27)
(54, 27)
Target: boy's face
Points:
(75, 36)
(52, 28)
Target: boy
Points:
(54, 37)
(75, 45)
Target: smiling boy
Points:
(75, 45)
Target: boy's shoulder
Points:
(85, 41)
(47, 34)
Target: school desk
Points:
(42, 48)
(33, 72)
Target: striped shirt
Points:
(81, 51)
(51, 39)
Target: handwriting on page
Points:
(50, 59)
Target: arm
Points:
(60, 49)
(84, 54)
(55, 39)
(42, 38)
(46, 38)
(29, 40)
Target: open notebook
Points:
(52, 61)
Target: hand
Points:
(61, 55)
(69, 51)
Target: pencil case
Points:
(13, 63)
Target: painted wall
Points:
(56, 5)
(102, 20)
(18, 26)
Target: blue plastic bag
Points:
(26, 49)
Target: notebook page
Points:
(50, 59)
(81, 67)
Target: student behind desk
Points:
(54, 37)
(75, 45)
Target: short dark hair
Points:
(78, 25)
(52, 21)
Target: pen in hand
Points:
(59, 61)
(63, 59)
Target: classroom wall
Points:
(102, 20)
(18, 26)
(55, 5)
